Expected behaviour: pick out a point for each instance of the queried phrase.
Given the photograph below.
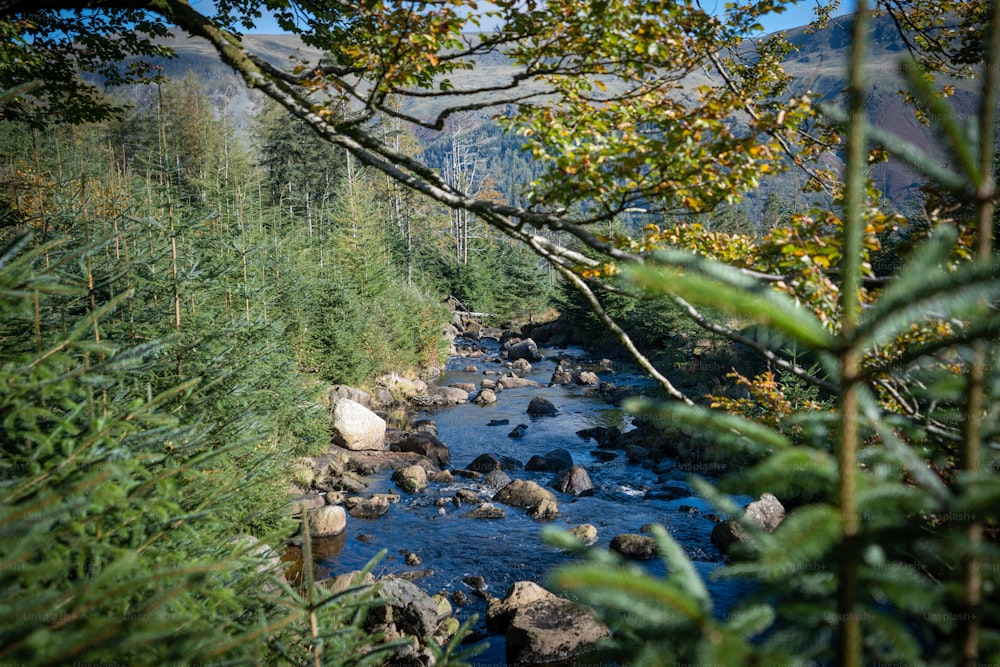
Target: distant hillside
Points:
(818, 66)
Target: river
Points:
(506, 550)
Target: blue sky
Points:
(795, 16)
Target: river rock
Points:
(411, 478)
(638, 547)
(515, 382)
(607, 437)
(427, 445)
(485, 397)
(498, 422)
(553, 461)
(305, 502)
(449, 395)
(518, 431)
(526, 349)
(485, 511)
(586, 533)
(602, 455)
(541, 407)
(545, 510)
(552, 630)
(405, 605)
(495, 480)
(588, 379)
(575, 481)
(499, 613)
(484, 463)
(367, 508)
(523, 493)
(467, 387)
(560, 377)
(766, 513)
(340, 391)
(468, 496)
(327, 520)
(471, 368)
(520, 365)
(355, 427)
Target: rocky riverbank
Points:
(381, 465)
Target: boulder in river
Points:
(355, 427)
(588, 379)
(555, 460)
(411, 478)
(766, 513)
(367, 508)
(327, 520)
(449, 395)
(406, 606)
(560, 377)
(515, 382)
(485, 397)
(496, 480)
(575, 481)
(499, 613)
(586, 533)
(518, 431)
(484, 463)
(485, 511)
(498, 422)
(541, 407)
(551, 630)
(526, 349)
(638, 547)
(524, 493)
(424, 444)
(520, 365)
(339, 391)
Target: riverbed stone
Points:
(526, 349)
(541, 407)
(523, 493)
(555, 460)
(495, 480)
(411, 478)
(467, 387)
(560, 377)
(637, 547)
(427, 445)
(588, 379)
(485, 511)
(449, 395)
(327, 520)
(500, 612)
(518, 431)
(367, 508)
(498, 422)
(485, 397)
(355, 427)
(340, 391)
(766, 513)
(546, 510)
(521, 366)
(484, 463)
(552, 630)
(515, 382)
(574, 481)
(467, 497)
(406, 606)
(586, 533)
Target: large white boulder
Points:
(355, 427)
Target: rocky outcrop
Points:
(355, 427)
(555, 460)
(574, 481)
(541, 407)
(765, 513)
(637, 547)
(550, 630)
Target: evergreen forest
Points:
(182, 295)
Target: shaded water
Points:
(507, 550)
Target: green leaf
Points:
(707, 283)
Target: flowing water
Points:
(506, 550)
